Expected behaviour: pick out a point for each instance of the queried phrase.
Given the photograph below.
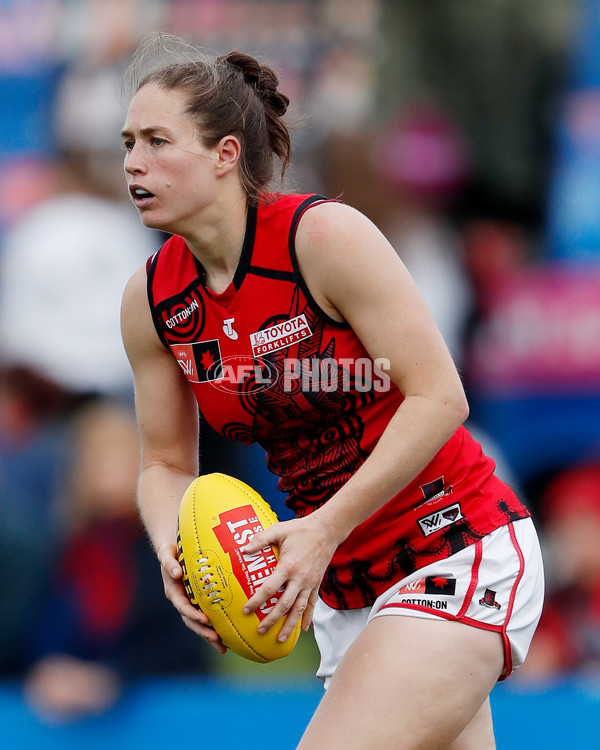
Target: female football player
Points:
(418, 567)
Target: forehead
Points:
(159, 105)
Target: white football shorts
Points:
(496, 584)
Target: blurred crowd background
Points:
(468, 131)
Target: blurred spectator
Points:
(342, 96)
(567, 641)
(31, 461)
(61, 274)
(100, 617)
(62, 271)
(422, 159)
(98, 37)
(497, 67)
(494, 250)
(573, 216)
(30, 71)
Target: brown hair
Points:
(229, 95)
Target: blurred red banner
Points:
(541, 330)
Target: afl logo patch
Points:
(201, 361)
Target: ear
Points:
(229, 151)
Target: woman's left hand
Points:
(306, 546)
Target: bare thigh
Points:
(410, 684)
(479, 732)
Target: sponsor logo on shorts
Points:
(280, 335)
(489, 600)
(440, 519)
(430, 585)
(429, 603)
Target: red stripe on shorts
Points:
(511, 603)
(474, 579)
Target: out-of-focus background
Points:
(470, 133)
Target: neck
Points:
(218, 239)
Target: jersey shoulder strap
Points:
(277, 221)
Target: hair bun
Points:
(261, 78)
(248, 66)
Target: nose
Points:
(134, 163)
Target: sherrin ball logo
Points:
(218, 515)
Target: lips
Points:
(141, 196)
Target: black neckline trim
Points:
(247, 248)
(272, 273)
(245, 256)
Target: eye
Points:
(128, 145)
(158, 142)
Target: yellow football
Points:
(218, 515)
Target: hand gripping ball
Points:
(218, 515)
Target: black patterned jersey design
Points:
(267, 365)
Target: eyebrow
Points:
(150, 130)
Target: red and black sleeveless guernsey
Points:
(268, 365)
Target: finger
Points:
(183, 605)
(188, 610)
(285, 605)
(267, 592)
(204, 631)
(310, 609)
(167, 557)
(207, 634)
(294, 616)
(261, 539)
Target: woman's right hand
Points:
(194, 619)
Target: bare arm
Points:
(167, 416)
(360, 278)
(355, 275)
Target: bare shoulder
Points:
(334, 225)
(345, 258)
(137, 328)
(135, 289)
(356, 276)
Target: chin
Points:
(155, 223)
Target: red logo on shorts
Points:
(430, 585)
(489, 599)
